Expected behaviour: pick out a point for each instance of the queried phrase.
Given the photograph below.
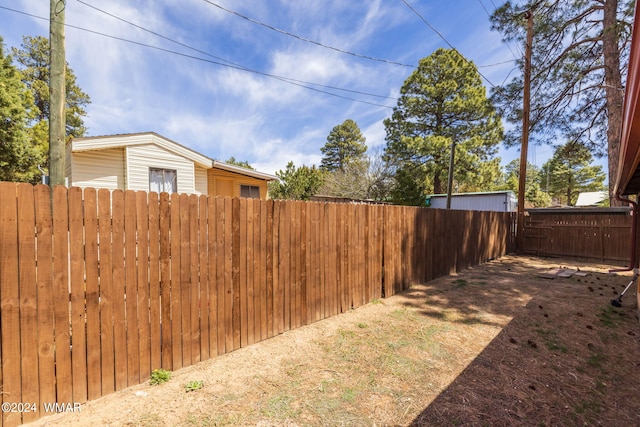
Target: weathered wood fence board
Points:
(99, 288)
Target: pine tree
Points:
(443, 102)
(18, 156)
(345, 145)
(570, 172)
(33, 62)
(578, 54)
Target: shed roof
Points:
(479, 193)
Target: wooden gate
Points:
(599, 234)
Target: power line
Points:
(271, 27)
(229, 65)
(446, 41)
(497, 63)
(235, 65)
(507, 44)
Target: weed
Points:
(193, 386)
(159, 376)
(362, 325)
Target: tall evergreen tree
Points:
(18, 156)
(443, 102)
(345, 145)
(570, 172)
(296, 183)
(578, 54)
(33, 62)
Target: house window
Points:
(163, 180)
(250, 191)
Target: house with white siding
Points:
(150, 162)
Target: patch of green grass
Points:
(280, 407)
(596, 360)
(349, 395)
(459, 282)
(608, 316)
(362, 325)
(550, 339)
(586, 407)
(159, 376)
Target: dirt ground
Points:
(495, 345)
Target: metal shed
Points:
(499, 201)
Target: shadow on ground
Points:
(565, 356)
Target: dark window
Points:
(250, 191)
(163, 180)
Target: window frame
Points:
(165, 183)
(251, 189)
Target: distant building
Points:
(498, 201)
(593, 198)
(150, 162)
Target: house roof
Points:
(628, 180)
(130, 139)
(591, 198)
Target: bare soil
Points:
(496, 345)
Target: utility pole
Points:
(57, 73)
(525, 130)
(450, 183)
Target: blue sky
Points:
(224, 111)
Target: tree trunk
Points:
(614, 91)
(437, 185)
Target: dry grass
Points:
(494, 345)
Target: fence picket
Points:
(64, 391)
(166, 328)
(78, 296)
(94, 382)
(119, 305)
(10, 302)
(143, 240)
(203, 274)
(155, 309)
(106, 292)
(131, 289)
(28, 298)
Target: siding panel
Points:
(99, 169)
(201, 181)
(142, 157)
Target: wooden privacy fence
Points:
(601, 234)
(99, 288)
